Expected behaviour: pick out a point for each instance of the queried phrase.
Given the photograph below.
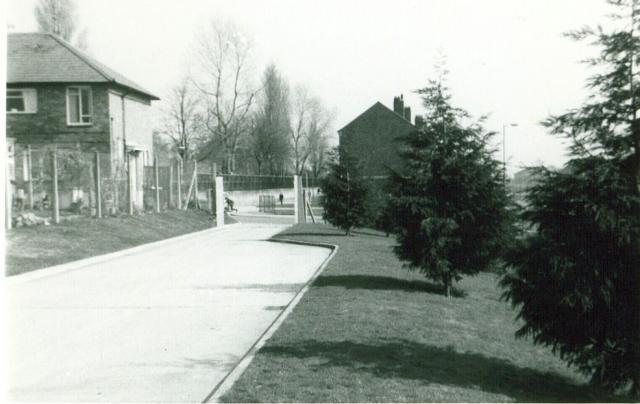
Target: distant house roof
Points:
(378, 107)
(46, 58)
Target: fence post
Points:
(29, 177)
(98, 180)
(55, 203)
(298, 206)
(196, 203)
(179, 170)
(219, 201)
(129, 185)
(8, 196)
(170, 185)
(157, 180)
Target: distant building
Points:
(58, 96)
(372, 136)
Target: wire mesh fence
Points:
(56, 182)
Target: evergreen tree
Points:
(449, 201)
(344, 191)
(575, 278)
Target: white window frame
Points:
(82, 113)
(30, 107)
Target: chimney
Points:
(398, 105)
(407, 113)
(419, 121)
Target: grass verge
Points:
(35, 247)
(370, 331)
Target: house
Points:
(372, 136)
(60, 97)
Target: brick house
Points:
(371, 137)
(58, 96)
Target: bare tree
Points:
(310, 124)
(268, 140)
(57, 17)
(222, 75)
(318, 146)
(183, 121)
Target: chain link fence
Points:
(95, 184)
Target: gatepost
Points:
(219, 201)
(298, 205)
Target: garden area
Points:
(35, 247)
(368, 330)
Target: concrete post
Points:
(169, 205)
(179, 184)
(219, 201)
(55, 202)
(298, 205)
(8, 197)
(29, 177)
(156, 182)
(98, 185)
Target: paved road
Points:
(164, 324)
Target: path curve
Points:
(164, 324)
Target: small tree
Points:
(576, 277)
(344, 192)
(449, 203)
(57, 17)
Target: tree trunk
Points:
(447, 284)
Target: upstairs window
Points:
(79, 105)
(21, 101)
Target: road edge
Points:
(238, 369)
(97, 259)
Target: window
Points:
(21, 101)
(79, 105)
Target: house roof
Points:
(46, 58)
(380, 107)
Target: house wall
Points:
(371, 138)
(138, 123)
(138, 130)
(48, 125)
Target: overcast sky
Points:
(507, 58)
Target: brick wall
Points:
(49, 124)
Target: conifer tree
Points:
(448, 202)
(575, 278)
(344, 191)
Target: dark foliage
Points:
(449, 203)
(575, 277)
(345, 192)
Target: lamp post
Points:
(504, 148)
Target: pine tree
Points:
(449, 201)
(575, 278)
(345, 193)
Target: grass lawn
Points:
(35, 247)
(370, 331)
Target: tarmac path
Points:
(164, 324)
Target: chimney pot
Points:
(398, 105)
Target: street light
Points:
(504, 156)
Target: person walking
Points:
(281, 198)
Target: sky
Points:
(507, 58)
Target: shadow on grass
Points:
(311, 234)
(373, 233)
(382, 283)
(430, 364)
